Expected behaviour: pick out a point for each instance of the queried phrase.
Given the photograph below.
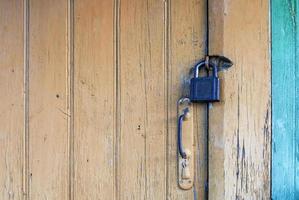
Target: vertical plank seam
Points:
(207, 28)
(201, 132)
(146, 105)
(166, 89)
(25, 172)
(117, 96)
(271, 92)
(70, 98)
(208, 105)
(167, 36)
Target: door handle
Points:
(185, 116)
(185, 144)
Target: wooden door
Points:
(89, 91)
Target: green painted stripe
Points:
(285, 100)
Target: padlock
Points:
(205, 89)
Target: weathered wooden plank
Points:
(48, 100)
(12, 99)
(285, 75)
(240, 128)
(94, 100)
(186, 44)
(142, 91)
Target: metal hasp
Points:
(207, 88)
(185, 144)
(202, 89)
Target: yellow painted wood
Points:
(185, 45)
(104, 79)
(240, 125)
(12, 99)
(48, 97)
(142, 95)
(94, 100)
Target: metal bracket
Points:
(185, 144)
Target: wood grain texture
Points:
(48, 114)
(94, 100)
(240, 125)
(102, 79)
(12, 99)
(186, 45)
(142, 91)
(285, 76)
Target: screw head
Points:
(187, 116)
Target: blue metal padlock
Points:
(205, 89)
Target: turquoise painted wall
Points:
(285, 99)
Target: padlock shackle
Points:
(202, 63)
(215, 70)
